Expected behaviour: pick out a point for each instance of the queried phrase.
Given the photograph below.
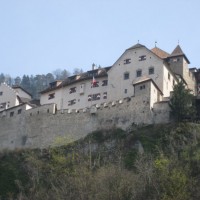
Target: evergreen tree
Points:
(17, 80)
(182, 103)
(64, 74)
(25, 83)
(49, 78)
(2, 78)
(8, 80)
(77, 71)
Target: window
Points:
(90, 97)
(141, 58)
(127, 61)
(19, 111)
(53, 84)
(72, 90)
(125, 91)
(1, 93)
(105, 95)
(126, 76)
(151, 70)
(173, 82)
(168, 75)
(94, 97)
(142, 87)
(11, 114)
(71, 102)
(82, 86)
(51, 96)
(138, 73)
(104, 82)
(175, 59)
(2, 105)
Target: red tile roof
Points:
(160, 53)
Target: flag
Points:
(94, 82)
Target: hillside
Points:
(152, 162)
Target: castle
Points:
(135, 68)
(134, 90)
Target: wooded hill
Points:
(153, 162)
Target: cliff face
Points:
(148, 162)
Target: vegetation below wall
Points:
(153, 162)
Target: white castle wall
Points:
(42, 127)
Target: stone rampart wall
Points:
(44, 126)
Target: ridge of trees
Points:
(34, 84)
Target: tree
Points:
(57, 73)
(64, 74)
(8, 79)
(49, 78)
(182, 103)
(25, 83)
(17, 80)
(2, 78)
(77, 71)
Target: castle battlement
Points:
(40, 127)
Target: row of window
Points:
(141, 58)
(94, 84)
(94, 97)
(91, 97)
(138, 73)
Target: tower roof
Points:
(178, 52)
(160, 53)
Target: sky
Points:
(41, 36)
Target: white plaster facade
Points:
(137, 65)
(21, 92)
(10, 97)
(78, 94)
(151, 66)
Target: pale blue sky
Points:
(40, 36)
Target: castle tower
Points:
(178, 63)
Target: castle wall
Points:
(42, 127)
(161, 112)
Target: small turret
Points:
(178, 63)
